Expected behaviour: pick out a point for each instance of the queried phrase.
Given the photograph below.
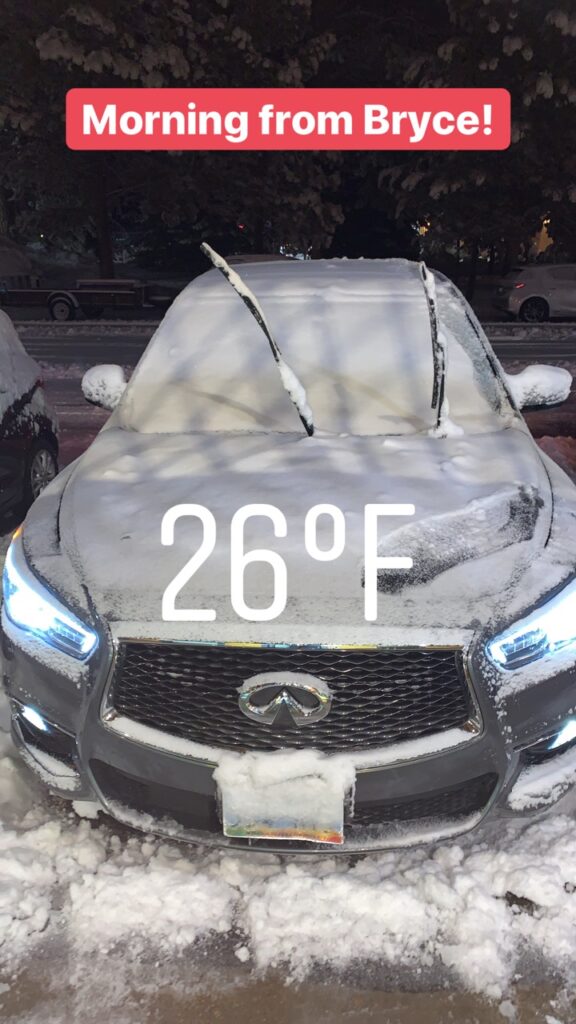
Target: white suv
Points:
(538, 293)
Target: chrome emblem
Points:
(284, 698)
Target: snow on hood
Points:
(119, 491)
(441, 542)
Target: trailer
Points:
(88, 298)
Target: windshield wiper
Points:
(439, 353)
(290, 381)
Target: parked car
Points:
(28, 426)
(201, 634)
(538, 292)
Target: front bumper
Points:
(431, 797)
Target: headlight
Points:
(31, 606)
(548, 629)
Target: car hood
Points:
(482, 513)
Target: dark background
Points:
(465, 213)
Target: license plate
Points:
(303, 809)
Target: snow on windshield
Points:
(357, 333)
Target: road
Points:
(88, 350)
(540, 350)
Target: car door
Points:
(562, 290)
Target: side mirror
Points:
(104, 385)
(539, 386)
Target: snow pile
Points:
(540, 385)
(478, 907)
(152, 894)
(104, 385)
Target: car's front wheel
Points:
(534, 311)
(41, 467)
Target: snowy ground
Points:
(99, 922)
(126, 919)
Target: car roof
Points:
(308, 277)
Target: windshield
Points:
(357, 333)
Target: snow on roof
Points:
(356, 332)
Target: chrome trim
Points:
(281, 687)
(474, 726)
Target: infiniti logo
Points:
(284, 698)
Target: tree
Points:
(478, 200)
(497, 199)
(70, 196)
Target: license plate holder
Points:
(305, 809)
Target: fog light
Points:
(34, 717)
(566, 735)
(551, 746)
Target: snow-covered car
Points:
(315, 598)
(28, 426)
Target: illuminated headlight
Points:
(31, 607)
(549, 629)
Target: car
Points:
(312, 588)
(28, 426)
(538, 292)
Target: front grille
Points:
(459, 801)
(380, 696)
